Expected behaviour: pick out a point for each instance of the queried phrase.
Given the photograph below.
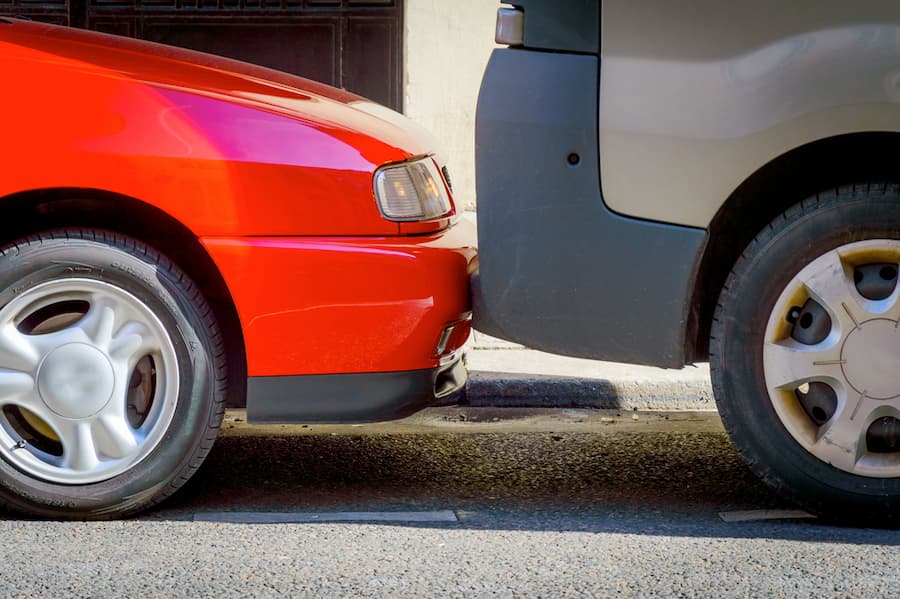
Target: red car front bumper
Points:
(349, 328)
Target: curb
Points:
(492, 389)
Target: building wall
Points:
(446, 47)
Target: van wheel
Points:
(805, 354)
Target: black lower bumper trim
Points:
(351, 398)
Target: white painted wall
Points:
(447, 44)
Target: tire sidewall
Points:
(54, 259)
(738, 372)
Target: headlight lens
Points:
(411, 191)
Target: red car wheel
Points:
(113, 375)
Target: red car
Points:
(186, 233)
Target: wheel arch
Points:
(772, 189)
(29, 212)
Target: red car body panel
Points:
(203, 142)
(273, 173)
(349, 305)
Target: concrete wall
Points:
(447, 45)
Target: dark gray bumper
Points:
(558, 270)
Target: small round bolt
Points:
(574, 159)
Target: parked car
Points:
(665, 183)
(186, 232)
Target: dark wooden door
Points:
(354, 44)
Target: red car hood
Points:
(194, 72)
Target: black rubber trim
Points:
(561, 25)
(558, 270)
(351, 398)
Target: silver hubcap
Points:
(832, 358)
(88, 381)
(76, 380)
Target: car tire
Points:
(802, 351)
(112, 376)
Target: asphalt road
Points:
(546, 505)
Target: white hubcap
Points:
(88, 381)
(871, 356)
(851, 366)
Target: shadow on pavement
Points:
(510, 389)
(673, 390)
(648, 484)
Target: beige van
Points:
(666, 182)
